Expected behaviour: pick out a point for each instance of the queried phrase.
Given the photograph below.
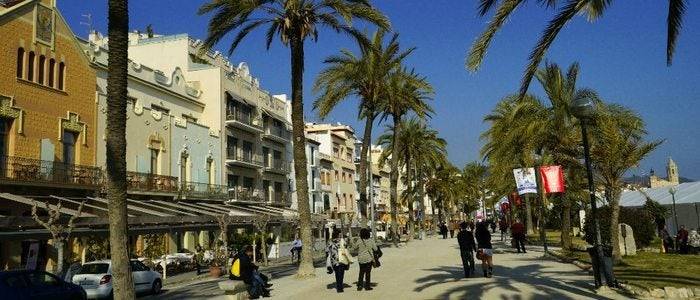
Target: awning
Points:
(31, 202)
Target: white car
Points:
(96, 278)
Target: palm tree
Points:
(293, 21)
(617, 145)
(420, 149)
(118, 28)
(406, 91)
(475, 175)
(592, 9)
(365, 77)
(444, 189)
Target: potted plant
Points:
(217, 264)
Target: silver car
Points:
(96, 278)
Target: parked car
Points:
(96, 278)
(181, 261)
(29, 284)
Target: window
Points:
(279, 189)
(232, 181)
(336, 150)
(277, 155)
(39, 279)
(4, 136)
(42, 63)
(312, 161)
(266, 156)
(52, 71)
(210, 174)
(20, 63)
(30, 66)
(337, 175)
(62, 76)
(183, 167)
(266, 189)
(343, 177)
(154, 161)
(313, 179)
(350, 177)
(248, 183)
(348, 156)
(247, 151)
(69, 147)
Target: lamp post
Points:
(584, 110)
(673, 191)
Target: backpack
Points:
(235, 272)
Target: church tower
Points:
(672, 172)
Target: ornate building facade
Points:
(672, 176)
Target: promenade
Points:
(427, 269)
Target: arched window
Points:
(30, 66)
(61, 75)
(40, 74)
(52, 71)
(20, 63)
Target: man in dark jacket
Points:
(518, 231)
(467, 247)
(257, 283)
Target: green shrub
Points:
(640, 220)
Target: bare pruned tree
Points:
(260, 223)
(60, 232)
(224, 220)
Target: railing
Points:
(203, 190)
(241, 117)
(243, 156)
(280, 198)
(245, 194)
(278, 132)
(146, 182)
(277, 165)
(324, 156)
(20, 169)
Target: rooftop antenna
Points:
(87, 21)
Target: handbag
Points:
(480, 254)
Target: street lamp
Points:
(673, 191)
(584, 109)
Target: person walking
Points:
(666, 239)
(483, 242)
(467, 247)
(492, 222)
(453, 225)
(337, 259)
(518, 232)
(365, 248)
(503, 228)
(443, 230)
(682, 240)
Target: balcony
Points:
(281, 199)
(326, 157)
(237, 157)
(244, 121)
(200, 190)
(246, 195)
(27, 171)
(151, 183)
(277, 166)
(278, 134)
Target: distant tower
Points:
(672, 172)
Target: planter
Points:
(215, 272)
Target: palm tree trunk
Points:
(264, 247)
(421, 205)
(394, 178)
(118, 27)
(528, 215)
(409, 181)
(366, 142)
(306, 266)
(614, 201)
(566, 223)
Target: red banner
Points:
(552, 179)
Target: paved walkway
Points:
(428, 269)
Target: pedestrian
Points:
(443, 230)
(337, 259)
(467, 247)
(198, 258)
(504, 229)
(493, 226)
(518, 232)
(256, 282)
(682, 240)
(485, 249)
(365, 248)
(666, 239)
(296, 248)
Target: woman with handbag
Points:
(485, 249)
(338, 260)
(366, 249)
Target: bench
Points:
(236, 289)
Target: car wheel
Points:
(157, 286)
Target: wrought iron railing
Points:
(243, 156)
(241, 117)
(27, 170)
(278, 132)
(278, 165)
(203, 190)
(245, 194)
(146, 182)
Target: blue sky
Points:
(622, 56)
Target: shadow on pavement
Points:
(507, 278)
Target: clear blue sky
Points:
(622, 56)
